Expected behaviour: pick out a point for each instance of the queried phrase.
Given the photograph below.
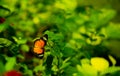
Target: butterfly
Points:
(39, 44)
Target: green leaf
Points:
(54, 37)
(65, 65)
(70, 70)
(39, 68)
(25, 48)
(67, 5)
(5, 42)
(2, 7)
(67, 51)
(113, 31)
(4, 11)
(11, 61)
(3, 27)
(112, 59)
(86, 70)
(99, 63)
(110, 70)
(29, 73)
(106, 15)
(20, 40)
(2, 67)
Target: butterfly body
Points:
(39, 44)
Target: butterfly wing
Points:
(38, 48)
(39, 52)
(39, 43)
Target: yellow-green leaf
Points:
(99, 63)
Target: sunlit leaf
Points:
(112, 31)
(112, 59)
(5, 42)
(99, 63)
(25, 48)
(11, 61)
(111, 70)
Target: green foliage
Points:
(113, 31)
(10, 63)
(76, 34)
(2, 67)
(111, 70)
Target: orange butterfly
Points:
(39, 44)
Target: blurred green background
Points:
(83, 37)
